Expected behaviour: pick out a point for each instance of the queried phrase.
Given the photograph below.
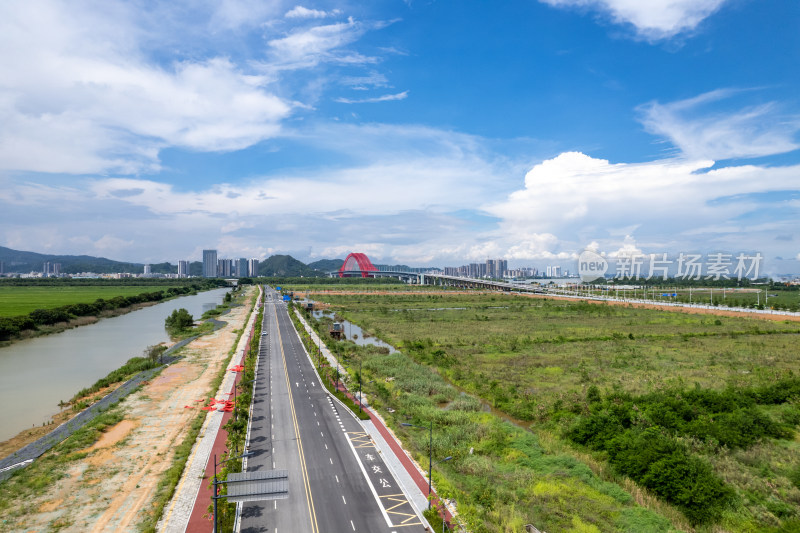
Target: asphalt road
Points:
(337, 480)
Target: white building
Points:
(252, 267)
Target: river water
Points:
(36, 374)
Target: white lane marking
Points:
(369, 482)
(276, 506)
(345, 501)
(321, 433)
(337, 478)
(331, 460)
(326, 446)
(317, 422)
(351, 523)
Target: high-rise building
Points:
(252, 267)
(147, 270)
(210, 263)
(553, 271)
(496, 268)
(241, 268)
(46, 269)
(183, 269)
(225, 268)
(56, 269)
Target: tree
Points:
(179, 320)
(153, 352)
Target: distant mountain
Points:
(285, 265)
(24, 262)
(15, 261)
(327, 265)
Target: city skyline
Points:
(414, 132)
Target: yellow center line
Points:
(306, 484)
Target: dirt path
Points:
(113, 486)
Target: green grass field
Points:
(21, 300)
(557, 367)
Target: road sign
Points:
(258, 486)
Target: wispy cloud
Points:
(308, 47)
(385, 98)
(363, 83)
(300, 12)
(700, 129)
(87, 90)
(652, 19)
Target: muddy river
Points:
(36, 374)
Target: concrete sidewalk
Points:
(188, 503)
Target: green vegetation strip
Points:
(325, 371)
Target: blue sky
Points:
(418, 132)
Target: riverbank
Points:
(111, 483)
(59, 327)
(91, 394)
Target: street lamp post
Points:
(430, 455)
(215, 497)
(337, 371)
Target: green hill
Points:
(327, 265)
(285, 265)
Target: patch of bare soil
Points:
(113, 486)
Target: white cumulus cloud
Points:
(79, 95)
(652, 19)
(666, 204)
